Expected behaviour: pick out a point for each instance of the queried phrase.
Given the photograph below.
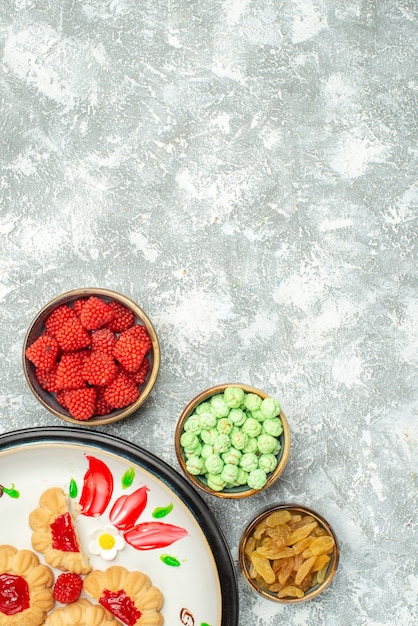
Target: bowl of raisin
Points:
(91, 356)
(288, 553)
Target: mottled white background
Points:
(246, 170)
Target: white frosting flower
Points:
(106, 542)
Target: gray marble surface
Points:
(246, 170)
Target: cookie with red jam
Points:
(26, 593)
(128, 595)
(80, 613)
(55, 535)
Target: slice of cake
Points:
(55, 535)
(26, 593)
(128, 595)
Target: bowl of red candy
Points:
(91, 356)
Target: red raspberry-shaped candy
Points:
(60, 397)
(103, 340)
(58, 317)
(101, 407)
(95, 313)
(78, 305)
(43, 352)
(129, 352)
(140, 375)
(81, 402)
(67, 588)
(72, 336)
(47, 378)
(99, 369)
(123, 318)
(141, 333)
(121, 392)
(70, 372)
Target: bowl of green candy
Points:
(232, 440)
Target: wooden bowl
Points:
(200, 481)
(36, 328)
(319, 582)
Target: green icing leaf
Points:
(162, 511)
(128, 478)
(73, 490)
(12, 492)
(170, 560)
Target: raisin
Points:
(304, 569)
(291, 591)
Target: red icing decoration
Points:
(152, 535)
(127, 509)
(63, 534)
(97, 488)
(121, 606)
(14, 594)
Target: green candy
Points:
(266, 444)
(242, 477)
(234, 397)
(207, 450)
(273, 426)
(195, 465)
(251, 427)
(267, 462)
(237, 416)
(192, 424)
(218, 406)
(214, 464)
(189, 440)
(197, 451)
(252, 446)
(207, 420)
(270, 407)
(232, 456)
(215, 482)
(229, 473)
(258, 415)
(224, 426)
(252, 402)
(232, 439)
(257, 479)
(239, 440)
(221, 443)
(249, 462)
(203, 407)
(209, 435)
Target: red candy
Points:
(92, 356)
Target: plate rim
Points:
(163, 471)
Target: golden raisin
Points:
(291, 591)
(320, 562)
(322, 545)
(278, 518)
(304, 569)
(263, 567)
(301, 533)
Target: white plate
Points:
(197, 579)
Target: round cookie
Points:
(26, 593)
(80, 613)
(55, 535)
(118, 589)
